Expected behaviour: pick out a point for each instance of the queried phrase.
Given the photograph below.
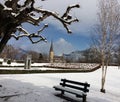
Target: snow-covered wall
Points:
(22, 64)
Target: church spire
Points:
(51, 47)
(51, 53)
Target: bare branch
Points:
(39, 31)
(65, 19)
(34, 21)
(27, 2)
(68, 10)
(41, 38)
(30, 36)
(22, 30)
(19, 36)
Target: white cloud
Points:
(62, 46)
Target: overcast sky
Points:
(63, 42)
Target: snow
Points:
(39, 87)
(22, 64)
(32, 68)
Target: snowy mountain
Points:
(75, 56)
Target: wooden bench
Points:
(78, 88)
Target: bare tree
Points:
(91, 55)
(9, 52)
(34, 55)
(13, 15)
(107, 30)
(117, 56)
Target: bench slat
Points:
(75, 87)
(74, 82)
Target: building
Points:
(53, 58)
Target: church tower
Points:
(51, 53)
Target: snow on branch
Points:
(13, 15)
(65, 19)
(30, 36)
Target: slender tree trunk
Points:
(103, 61)
(106, 64)
(103, 74)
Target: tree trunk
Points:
(103, 73)
(4, 41)
(103, 80)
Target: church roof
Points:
(51, 47)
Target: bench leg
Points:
(84, 98)
(62, 92)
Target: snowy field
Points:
(39, 87)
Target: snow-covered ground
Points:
(39, 87)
